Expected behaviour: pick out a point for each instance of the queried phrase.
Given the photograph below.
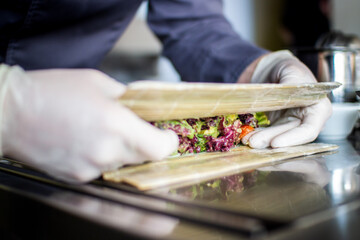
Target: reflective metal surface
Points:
(285, 191)
(282, 201)
(35, 210)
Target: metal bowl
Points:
(334, 64)
(335, 58)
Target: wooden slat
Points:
(205, 166)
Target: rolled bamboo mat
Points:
(153, 100)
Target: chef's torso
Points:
(37, 34)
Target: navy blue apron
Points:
(39, 34)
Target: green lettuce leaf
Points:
(230, 119)
(262, 119)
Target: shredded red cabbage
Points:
(208, 134)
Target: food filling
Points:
(212, 133)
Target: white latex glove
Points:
(69, 124)
(293, 126)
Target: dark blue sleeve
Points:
(199, 41)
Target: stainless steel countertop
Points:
(317, 195)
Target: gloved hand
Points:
(69, 124)
(293, 126)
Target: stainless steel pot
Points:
(336, 58)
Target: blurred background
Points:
(273, 25)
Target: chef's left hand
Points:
(292, 126)
(69, 124)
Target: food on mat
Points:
(211, 134)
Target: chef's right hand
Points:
(69, 124)
(293, 126)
